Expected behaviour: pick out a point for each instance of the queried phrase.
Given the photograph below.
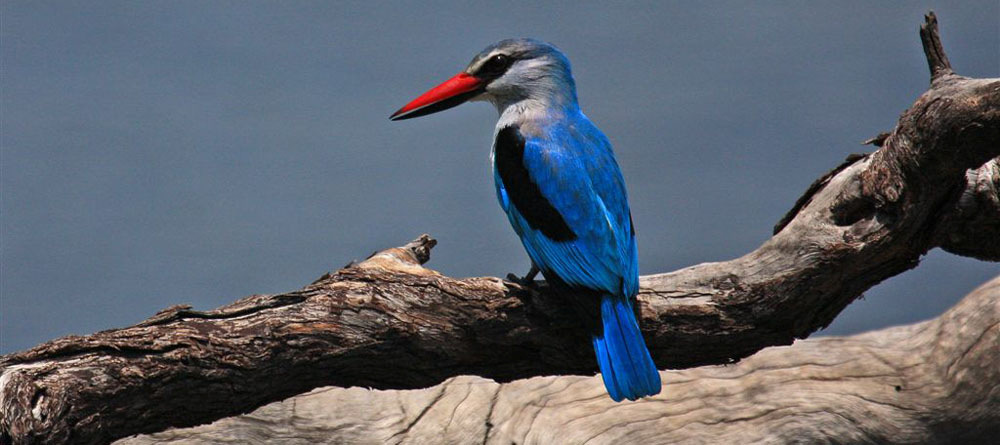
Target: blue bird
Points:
(557, 179)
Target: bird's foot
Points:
(528, 280)
(523, 281)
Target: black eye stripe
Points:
(495, 66)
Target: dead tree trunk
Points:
(389, 323)
(931, 382)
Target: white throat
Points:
(527, 113)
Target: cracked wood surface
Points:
(390, 323)
(930, 382)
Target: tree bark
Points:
(930, 382)
(390, 323)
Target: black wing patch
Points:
(523, 193)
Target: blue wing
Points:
(569, 180)
(565, 197)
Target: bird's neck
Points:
(533, 114)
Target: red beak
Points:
(451, 93)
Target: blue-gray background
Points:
(156, 153)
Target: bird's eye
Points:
(496, 65)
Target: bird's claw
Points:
(528, 280)
(523, 281)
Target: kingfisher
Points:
(562, 190)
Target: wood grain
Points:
(931, 382)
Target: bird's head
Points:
(505, 73)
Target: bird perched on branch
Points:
(557, 179)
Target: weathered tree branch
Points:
(390, 323)
(972, 226)
(931, 382)
(937, 60)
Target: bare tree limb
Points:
(937, 60)
(931, 382)
(389, 323)
(972, 227)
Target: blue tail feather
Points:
(626, 366)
